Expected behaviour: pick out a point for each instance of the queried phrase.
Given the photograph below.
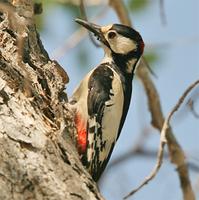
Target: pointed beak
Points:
(94, 28)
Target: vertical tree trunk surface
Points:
(38, 159)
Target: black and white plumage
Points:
(102, 99)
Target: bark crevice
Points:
(38, 156)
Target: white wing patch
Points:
(110, 125)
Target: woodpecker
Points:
(101, 101)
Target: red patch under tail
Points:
(81, 133)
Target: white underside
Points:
(110, 122)
(111, 117)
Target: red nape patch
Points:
(142, 46)
(81, 133)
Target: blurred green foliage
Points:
(137, 5)
(52, 4)
(152, 57)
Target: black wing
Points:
(100, 87)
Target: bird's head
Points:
(122, 43)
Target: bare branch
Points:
(192, 108)
(76, 37)
(176, 153)
(148, 154)
(156, 167)
(87, 2)
(181, 100)
(163, 140)
(162, 12)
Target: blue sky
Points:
(177, 45)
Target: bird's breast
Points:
(112, 116)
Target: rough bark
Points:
(38, 159)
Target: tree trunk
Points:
(38, 158)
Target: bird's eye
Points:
(111, 35)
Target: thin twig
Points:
(176, 153)
(162, 12)
(76, 37)
(163, 140)
(156, 167)
(192, 108)
(145, 153)
(181, 100)
(88, 2)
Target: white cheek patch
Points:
(122, 44)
